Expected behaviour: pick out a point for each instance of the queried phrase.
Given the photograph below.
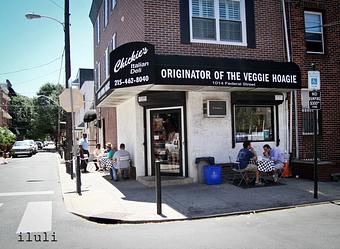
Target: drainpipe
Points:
(293, 95)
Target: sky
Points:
(31, 50)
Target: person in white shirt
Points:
(122, 160)
(84, 150)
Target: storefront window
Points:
(254, 123)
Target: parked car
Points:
(22, 148)
(50, 146)
(33, 145)
(39, 144)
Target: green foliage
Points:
(46, 111)
(21, 110)
(7, 138)
(37, 118)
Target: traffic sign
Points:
(77, 99)
(314, 80)
(314, 94)
(314, 100)
(315, 104)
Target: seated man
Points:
(122, 160)
(246, 157)
(276, 156)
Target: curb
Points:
(119, 221)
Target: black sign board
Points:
(206, 71)
(314, 94)
(135, 63)
(315, 104)
(314, 100)
(132, 64)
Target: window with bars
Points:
(218, 21)
(314, 32)
(308, 122)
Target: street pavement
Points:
(31, 186)
(129, 201)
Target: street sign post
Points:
(315, 105)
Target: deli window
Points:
(254, 123)
(255, 116)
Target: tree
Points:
(22, 112)
(7, 138)
(46, 109)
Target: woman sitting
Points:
(97, 154)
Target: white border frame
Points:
(322, 33)
(148, 136)
(217, 25)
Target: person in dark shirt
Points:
(247, 158)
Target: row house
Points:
(5, 117)
(85, 83)
(314, 31)
(179, 80)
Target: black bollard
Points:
(71, 165)
(158, 188)
(78, 175)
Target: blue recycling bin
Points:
(213, 174)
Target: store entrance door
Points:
(166, 132)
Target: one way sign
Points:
(314, 100)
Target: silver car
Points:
(33, 145)
(22, 148)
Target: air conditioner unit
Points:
(215, 108)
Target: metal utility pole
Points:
(69, 142)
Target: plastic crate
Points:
(212, 174)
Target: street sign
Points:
(314, 94)
(313, 80)
(77, 99)
(315, 104)
(314, 100)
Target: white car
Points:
(50, 146)
(21, 148)
(33, 145)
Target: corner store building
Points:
(141, 106)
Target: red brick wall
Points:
(162, 28)
(126, 20)
(109, 114)
(328, 65)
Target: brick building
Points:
(178, 80)
(4, 102)
(315, 38)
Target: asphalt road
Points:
(31, 203)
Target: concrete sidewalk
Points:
(131, 202)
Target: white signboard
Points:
(313, 80)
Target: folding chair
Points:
(238, 172)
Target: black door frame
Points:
(183, 156)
